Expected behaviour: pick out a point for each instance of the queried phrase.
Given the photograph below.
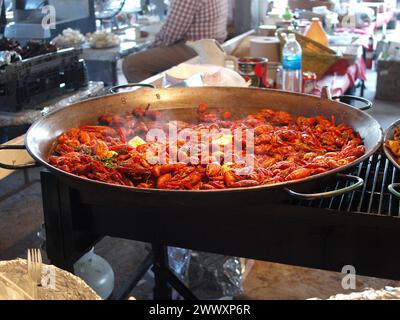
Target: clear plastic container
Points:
(291, 63)
(96, 272)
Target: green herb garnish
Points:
(85, 149)
(107, 162)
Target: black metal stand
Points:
(311, 235)
(164, 277)
(65, 244)
(161, 289)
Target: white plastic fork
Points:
(35, 270)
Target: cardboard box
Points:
(388, 83)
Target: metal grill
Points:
(372, 198)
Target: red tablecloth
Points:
(341, 81)
(341, 77)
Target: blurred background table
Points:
(102, 64)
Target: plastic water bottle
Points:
(291, 63)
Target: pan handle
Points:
(392, 189)
(16, 167)
(311, 196)
(367, 106)
(130, 85)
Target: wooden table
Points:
(14, 157)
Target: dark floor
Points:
(21, 216)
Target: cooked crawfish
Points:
(394, 144)
(286, 147)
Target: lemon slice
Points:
(224, 140)
(136, 141)
(111, 154)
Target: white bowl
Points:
(212, 75)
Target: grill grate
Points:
(372, 198)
